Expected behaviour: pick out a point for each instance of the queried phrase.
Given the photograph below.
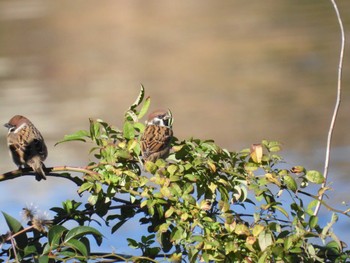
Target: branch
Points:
(325, 204)
(51, 171)
(336, 108)
(112, 257)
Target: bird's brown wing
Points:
(40, 148)
(27, 143)
(17, 147)
(155, 139)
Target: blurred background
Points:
(233, 71)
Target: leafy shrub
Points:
(203, 203)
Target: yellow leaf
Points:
(257, 230)
(242, 229)
(205, 205)
(213, 187)
(212, 166)
(256, 152)
(250, 240)
(177, 148)
(273, 179)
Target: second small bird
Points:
(26, 145)
(155, 141)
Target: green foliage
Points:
(202, 203)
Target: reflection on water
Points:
(233, 72)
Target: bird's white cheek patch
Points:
(20, 127)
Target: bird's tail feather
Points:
(40, 174)
(37, 167)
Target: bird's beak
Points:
(7, 125)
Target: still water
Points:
(236, 72)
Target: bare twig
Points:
(12, 236)
(336, 108)
(14, 249)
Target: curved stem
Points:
(336, 108)
(325, 204)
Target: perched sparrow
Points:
(155, 141)
(26, 145)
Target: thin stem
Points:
(325, 204)
(19, 232)
(14, 249)
(336, 108)
(11, 238)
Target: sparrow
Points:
(26, 144)
(155, 141)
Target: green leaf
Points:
(296, 250)
(313, 221)
(15, 226)
(311, 250)
(85, 186)
(290, 183)
(288, 242)
(122, 154)
(140, 127)
(263, 258)
(172, 169)
(171, 120)
(205, 257)
(163, 227)
(311, 206)
(151, 167)
(176, 257)
(242, 229)
(128, 130)
(131, 116)
(98, 188)
(328, 227)
(77, 246)
(30, 250)
(176, 234)
(191, 177)
(77, 136)
(55, 234)
(145, 107)
(132, 243)
(94, 129)
(281, 209)
(265, 240)
(12, 223)
(92, 199)
(43, 259)
(333, 248)
(257, 230)
(82, 231)
(169, 212)
(134, 145)
(118, 225)
(188, 188)
(47, 249)
(138, 99)
(314, 177)
(274, 146)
